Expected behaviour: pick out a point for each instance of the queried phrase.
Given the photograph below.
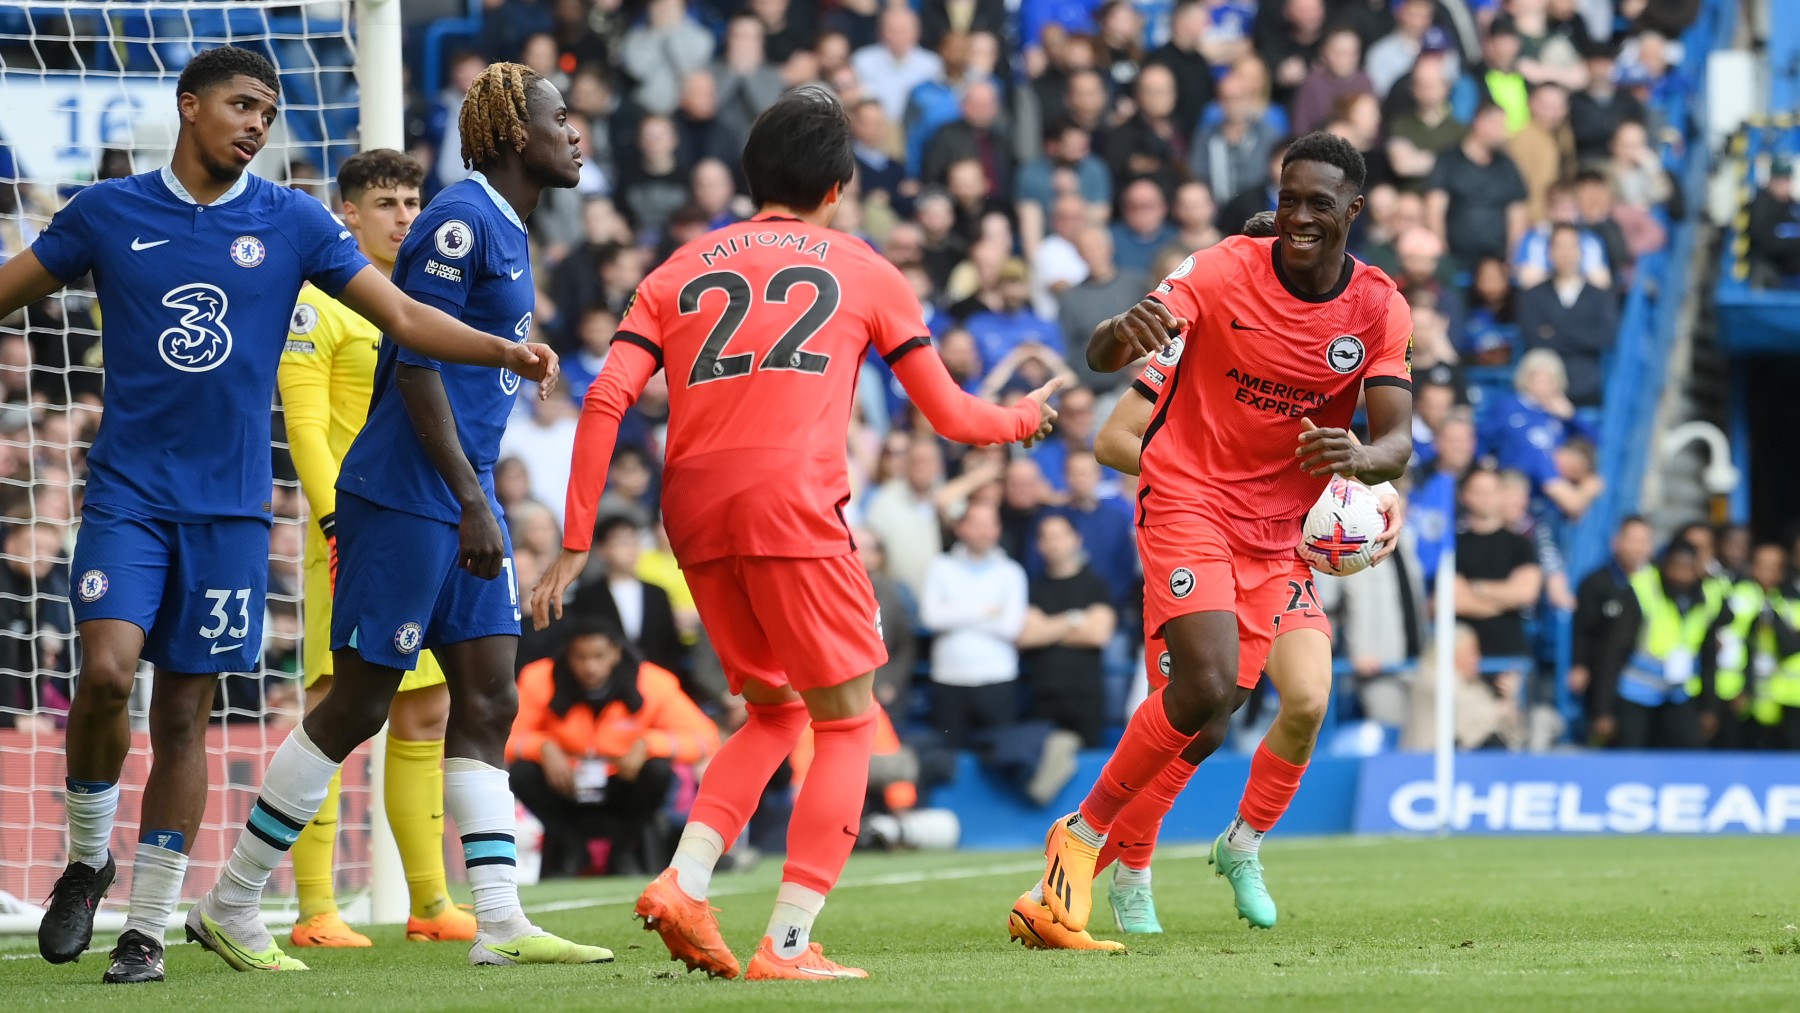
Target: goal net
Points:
(87, 91)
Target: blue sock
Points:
(86, 787)
(168, 840)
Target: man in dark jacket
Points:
(1605, 629)
(1775, 229)
(1571, 317)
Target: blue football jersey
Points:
(466, 255)
(194, 302)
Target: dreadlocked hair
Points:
(493, 113)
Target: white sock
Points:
(156, 875)
(1037, 891)
(1078, 825)
(293, 788)
(1243, 839)
(91, 806)
(1125, 875)
(695, 857)
(790, 927)
(477, 798)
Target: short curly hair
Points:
(212, 67)
(495, 112)
(1330, 149)
(378, 169)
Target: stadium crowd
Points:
(1033, 171)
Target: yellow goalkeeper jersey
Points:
(327, 376)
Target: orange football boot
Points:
(327, 931)
(687, 927)
(810, 965)
(453, 924)
(1069, 874)
(1032, 924)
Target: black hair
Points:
(1329, 149)
(612, 523)
(212, 67)
(798, 149)
(1678, 549)
(1260, 225)
(1589, 176)
(1631, 519)
(1462, 484)
(1561, 227)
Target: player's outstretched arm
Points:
(1144, 329)
(630, 364)
(1120, 442)
(434, 333)
(482, 550)
(24, 280)
(957, 415)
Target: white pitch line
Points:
(1177, 852)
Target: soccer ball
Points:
(1341, 528)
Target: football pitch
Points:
(1366, 924)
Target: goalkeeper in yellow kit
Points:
(327, 375)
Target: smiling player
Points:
(1292, 330)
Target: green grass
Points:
(1454, 925)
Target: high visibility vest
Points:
(1782, 690)
(1747, 649)
(1663, 668)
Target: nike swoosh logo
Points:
(515, 274)
(512, 954)
(1240, 327)
(222, 648)
(138, 243)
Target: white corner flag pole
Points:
(382, 125)
(1444, 651)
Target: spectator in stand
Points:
(643, 611)
(787, 27)
(1143, 226)
(1523, 430)
(1516, 513)
(1638, 178)
(1023, 493)
(1431, 508)
(904, 514)
(1152, 144)
(1066, 150)
(891, 69)
(1417, 137)
(877, 171)
(998, 331)
(943, 246)
(1432, 404)
(1069, 621)
(1499, 77)
(982, 17)
(1098, 297)
(1544, 148)
(1486, 710)
(1548, 55)
(1651, 698)
(1571, 317)
(977, 210)
(1232, 155)
(1498, 576)
(1121, 41)
(1595, 112)
(545, 444)
(1195, 218)
(1594, 213)
(1102, 519)
(1184, 54)
(937, 102)
(974, 599)
(1074, 434)
(1424, 270)
(661, 52)
(1357, 118)
(748, 82)
(1476, 198)
(1396, 53)
(1337, 74)
(653, 186)
(1289, 35)
(978, 135)
(1246, 204)
(1577, 483)
(893, 680)
(1606, 617)
(35, 626)
(1056, 263)
(1735, 545)
(1775, 229)
(593, 747)
(1531, 264)
(1490, 334)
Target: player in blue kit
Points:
(424, 561)
(197, 266)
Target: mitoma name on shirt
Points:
(1266, 395)
(797, 242)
